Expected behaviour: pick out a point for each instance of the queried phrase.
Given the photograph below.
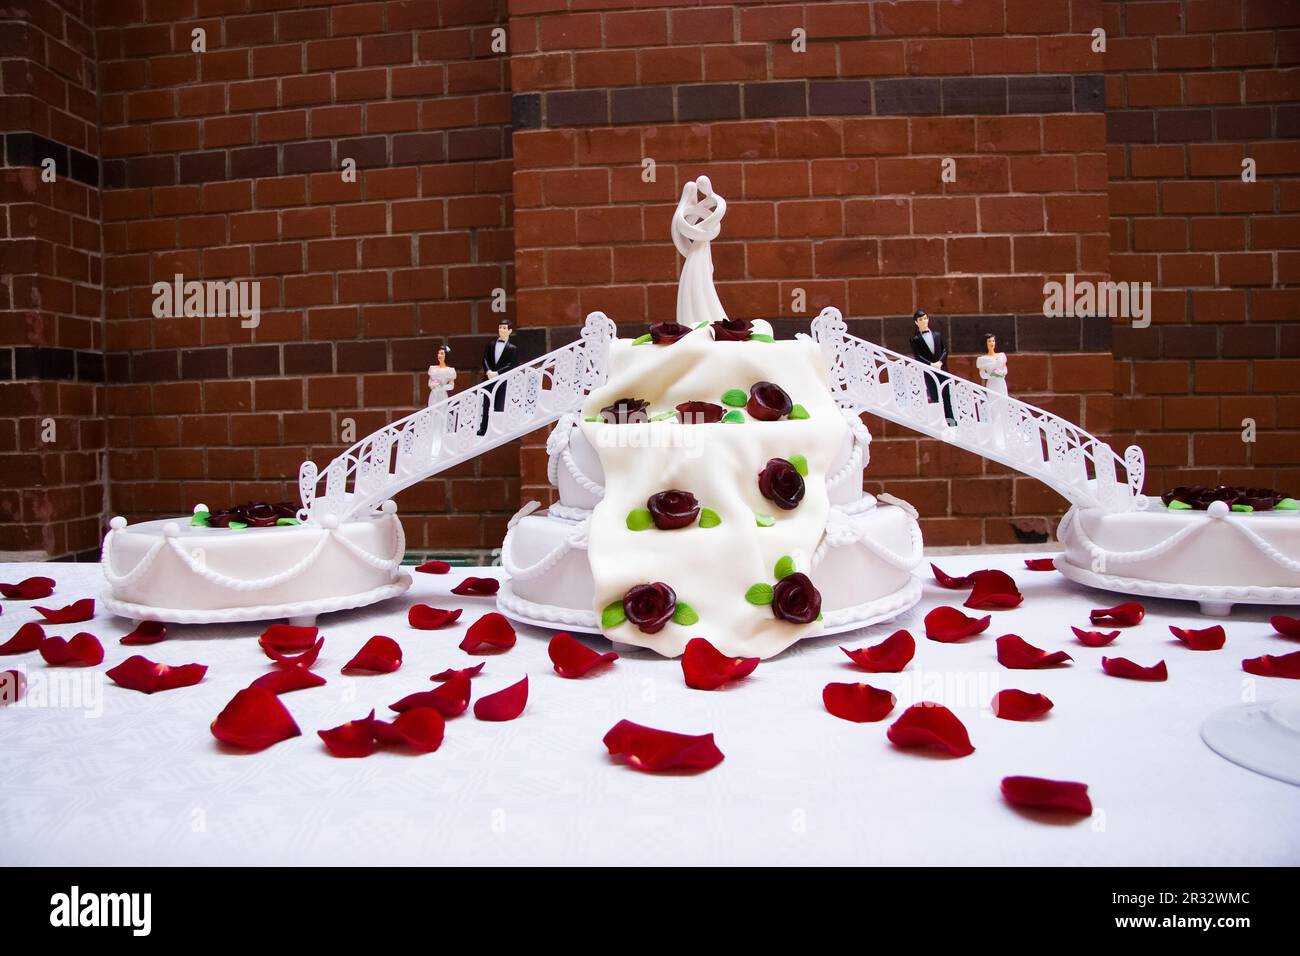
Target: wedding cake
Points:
(711, 487)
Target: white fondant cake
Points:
(582, 563)
(1216, 556)
(171, 570)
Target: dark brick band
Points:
(44, 363)
(1207, 124)
(29, 149)
(947, 96)
(1265, 340)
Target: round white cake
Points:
(178, 571)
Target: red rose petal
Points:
(1270, 665)
(948, 581)
(477, 587)
(1040, 794)
(380, 655)
(651, 750)
(1019, 705)
(74, 613)
(1018, 654)
(287, 637)
(451, 672)
(1286, 626)
(1123, 667)
(83, 650)
(573, 659)
(994, 590)
(434, 567)
(13, 687)
(29, 589)
(492, 630)
(947, 625)
(1040, 564)
(284, 680)
(931, 725)
(254, 719)
(140, 673)
(146, 632)
(859, 703)
(304, 660)
(26, 638)
(420, 728)
(450, 698)
(1205, 639)
(505, 704)
(1122, 615)
(707, 668)
(888, 657)
(425, 618)
(1094, 638)
(356, 738)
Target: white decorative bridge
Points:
(864, 377)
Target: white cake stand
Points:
(1263, 737)
(301, 613)
(1214, 601)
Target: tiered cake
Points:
(712, 487)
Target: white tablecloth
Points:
(143, 781)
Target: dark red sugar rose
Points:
(626, 411)
(673, 509)
(666, 333)
(699, 413)
(650, 606)
(731, 330)
(1200, 497)
(261, 515)
(795, 599)
(768, 402)
(780, 483)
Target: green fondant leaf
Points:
(709, 518)
(734, 397)
(798, 412)
(734, 418)
(764, 521)
(700, 325)
(1287, 504)
(641, 339)
(1242, 508)
(287, 521)
(819, 617)
(612, 616)
(1176, 505)
(759, 594)
(593, 418)
(685, 615)
(236, 525)
(638, 519)
(760, 337)
(784, 567)
(201, 519)
(664, 416)
(800, 464)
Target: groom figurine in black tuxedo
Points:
(928, 346)
(499, 357)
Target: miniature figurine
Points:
(499, 357)
(928, 346)
(441, 376)
(992, 367)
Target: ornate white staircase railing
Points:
(866, 377)
(446, 432)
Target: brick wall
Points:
(831, 163)
(1192, 89)
(51, 329)
(225, 165)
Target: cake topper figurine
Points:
(992, 368)
(499, 357)
(929, 346)
(441, 376)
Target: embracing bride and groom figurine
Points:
(930, 347)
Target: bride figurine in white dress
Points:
(441, 376)
(992, 366)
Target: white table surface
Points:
(144, 782)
